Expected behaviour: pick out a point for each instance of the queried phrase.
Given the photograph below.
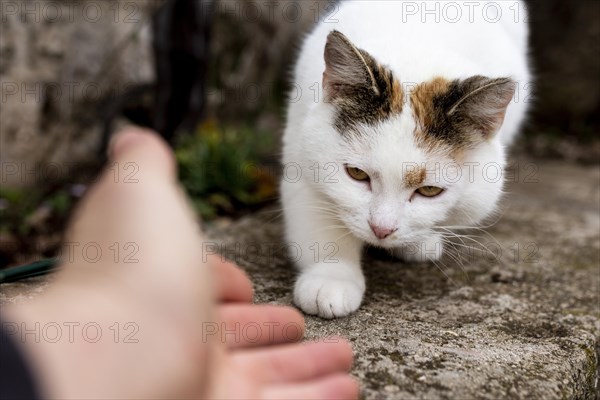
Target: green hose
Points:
(27, 271)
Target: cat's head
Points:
(410, 162)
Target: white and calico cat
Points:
(400, 130)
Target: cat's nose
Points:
(381, 231)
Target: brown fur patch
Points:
(363, 91)
(456, 115)
(396, 97)
(422, 102)
(415, 177)
(422, 96)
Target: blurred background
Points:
(73, 71)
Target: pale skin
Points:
(171, 295)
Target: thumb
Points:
(143, 151)
(143, 226)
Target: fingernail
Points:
(124, 139)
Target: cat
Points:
(399, 131)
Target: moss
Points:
(534, 329)
(374, 354)
(378, 379)
(433, 364)
(412, 374)
(591, 370)
(396, 357)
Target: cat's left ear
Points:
(481, 103)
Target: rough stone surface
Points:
(520, 321)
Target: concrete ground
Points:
(518, 320)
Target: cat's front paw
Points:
(327, 296)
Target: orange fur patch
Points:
(453, 116)
(397, 97)
(414, 178)
(421, 99)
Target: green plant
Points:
(31, 220)
(22, 207)
(222, 170)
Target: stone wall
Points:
(565, 49)
(60, 61)
(63, 62)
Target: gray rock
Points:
(521, 321)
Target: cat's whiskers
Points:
(483, 248)
(343, 236)
(328, 211)
(443, 272)
(475, 225)
(459, 236)
(329, 227)
(457, 256)
(453, 229)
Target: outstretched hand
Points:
(147, 316)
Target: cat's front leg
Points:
(424, 250)
(330, 290)
(330, 282)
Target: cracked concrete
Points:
(520, 320)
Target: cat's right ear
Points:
(348, 70)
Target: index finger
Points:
(232, 283)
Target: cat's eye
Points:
(357, 174)
(429, 191)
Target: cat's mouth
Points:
(392, 241)
(386, 243)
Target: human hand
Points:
(168, 296)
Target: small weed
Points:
(221, 169)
